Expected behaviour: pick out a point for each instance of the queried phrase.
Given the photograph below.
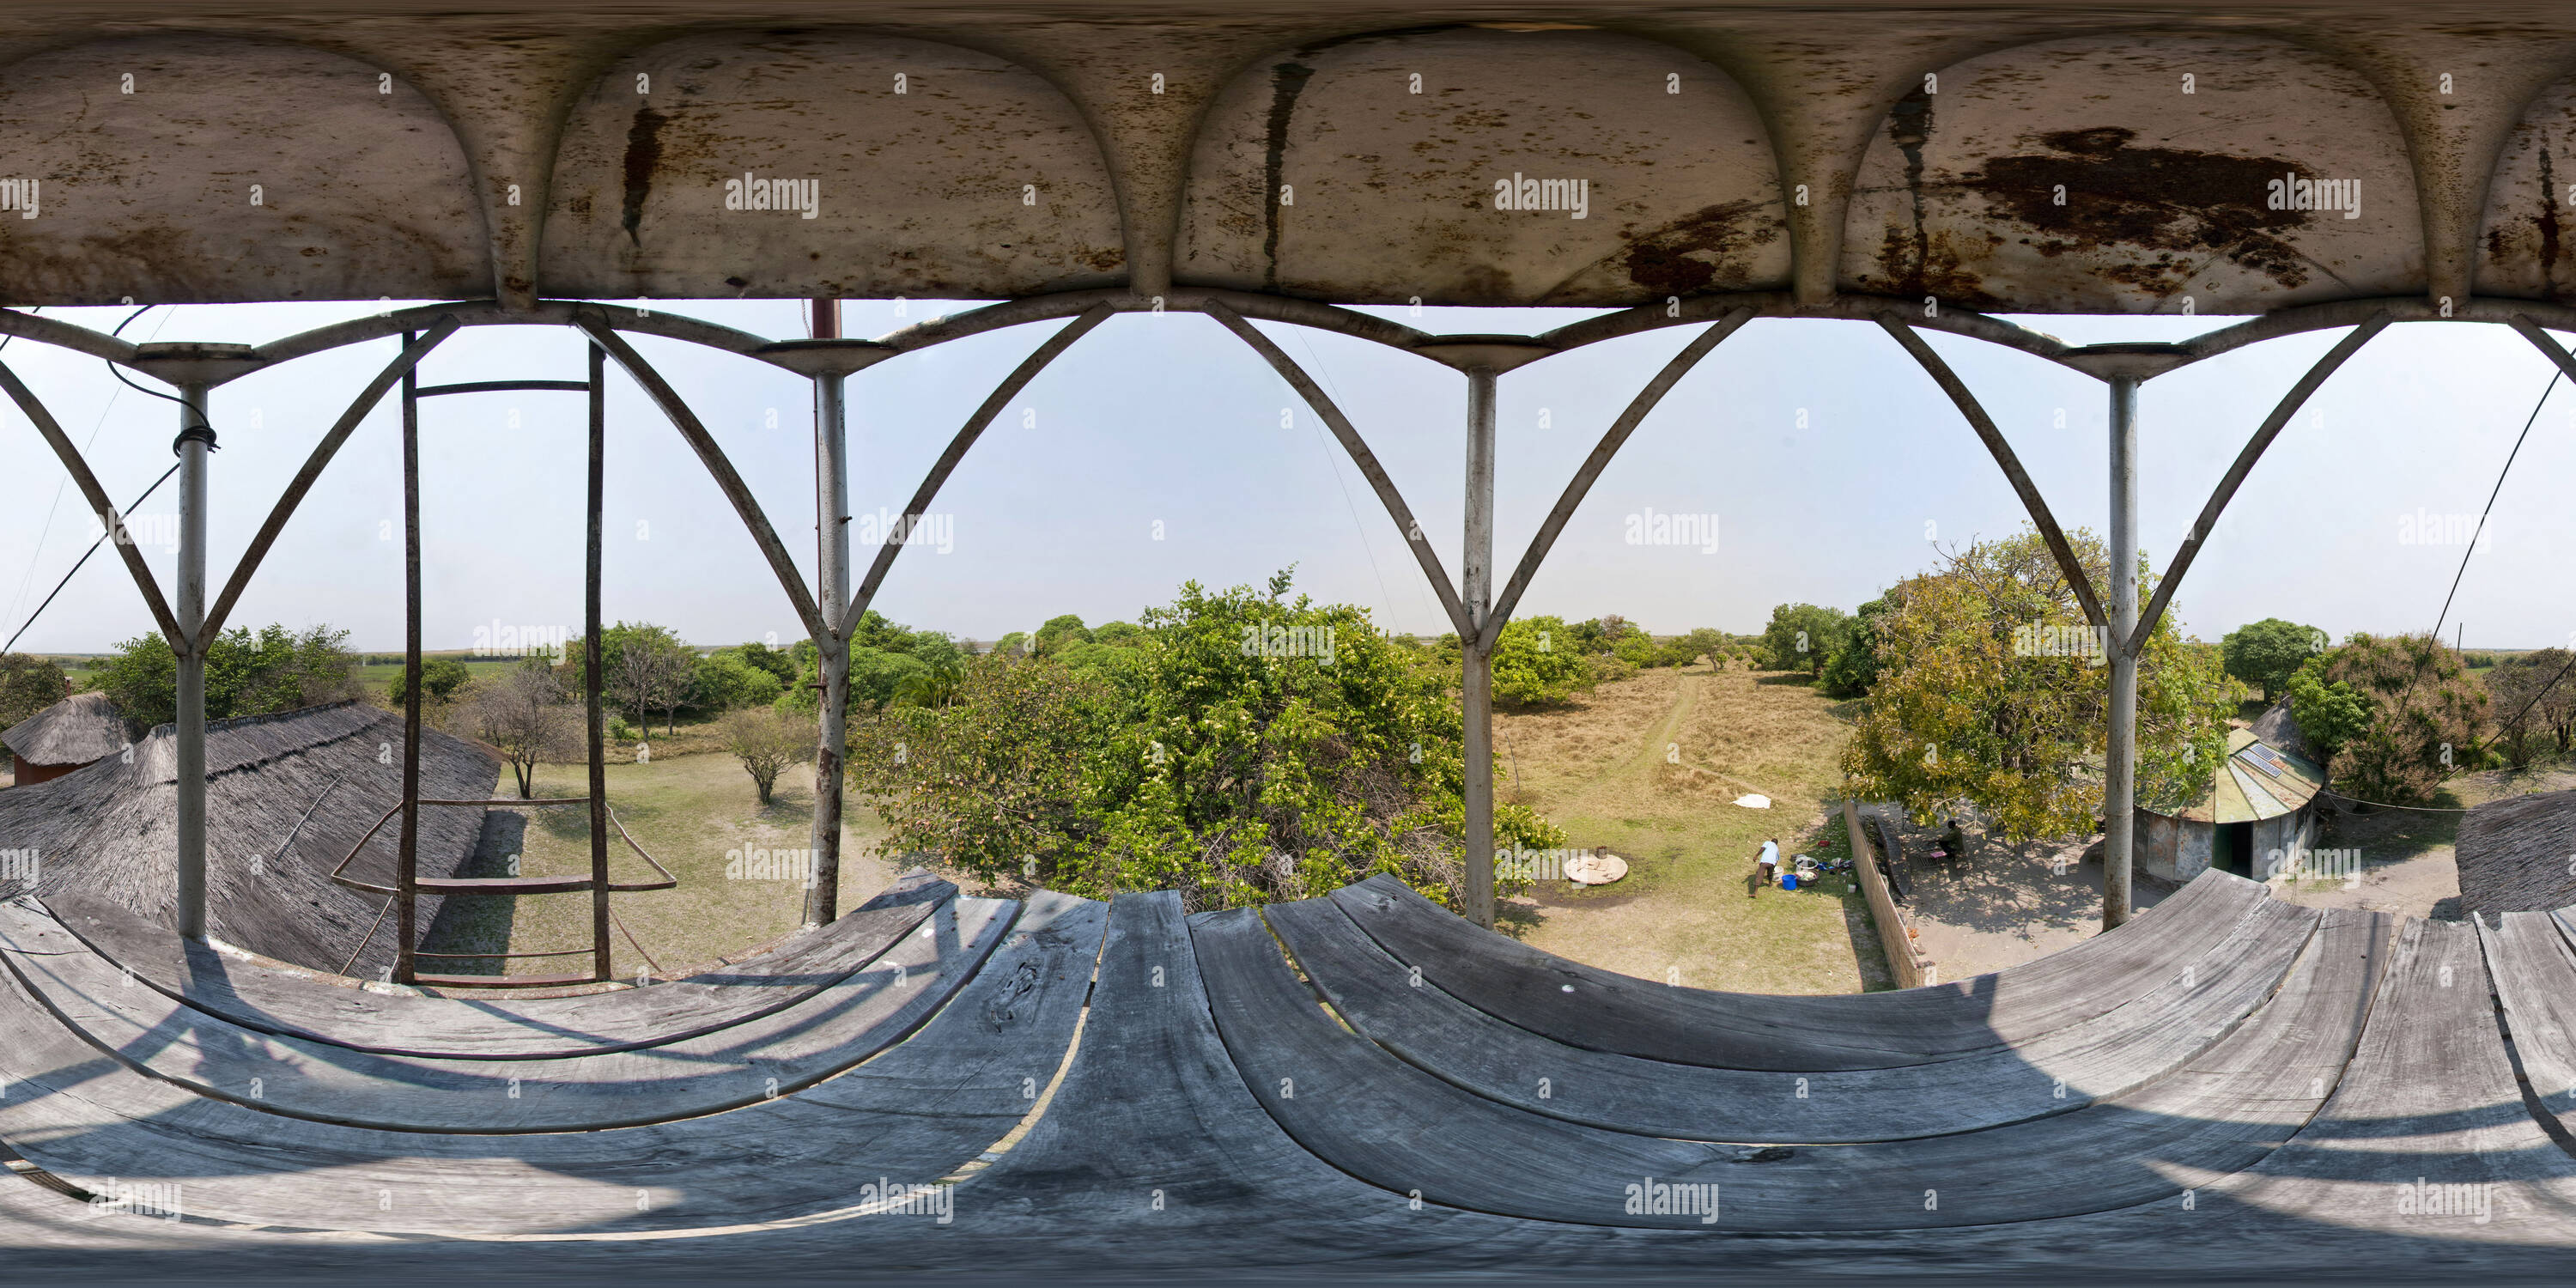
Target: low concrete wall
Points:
(1911, 968)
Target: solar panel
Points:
(2264, 758)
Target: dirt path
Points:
(1650, 766)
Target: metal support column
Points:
(598, 726)
(196, 439)
(407, 845)
(2120, 759)
(1476, 658)
(832, 596)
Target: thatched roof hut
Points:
(79, 730)
(2514, 853)
(286, 797)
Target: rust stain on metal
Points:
(1701, 250)
(643, 153)
(2183, 207)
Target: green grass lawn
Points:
(688, 812)
(1650, 766)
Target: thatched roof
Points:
(2514, 854)
(292, 791)
(75, 731)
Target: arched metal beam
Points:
(66, 335)
(2235, 477)
(670, 326)
(713, 457)
(1617, 435)
(323, 452)
(2002, 451)
(1251, 304)
(52, 431)
(1361, 456)
(966, 435)
(2540, 340)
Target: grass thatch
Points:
(287, 795)
(2513, 854)
(75, 731)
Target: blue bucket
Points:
(1788, 880)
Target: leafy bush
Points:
(440, 678)
(2267, 653)
(1534, 665)
(2426, 711)
(246, 674)
(1800, 637)
(1268, 748)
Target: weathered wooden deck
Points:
(1357, 1083)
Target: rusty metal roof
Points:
(2256, 781)
(2173, 157)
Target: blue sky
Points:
(1164, 420)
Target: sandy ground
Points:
(2004, 904)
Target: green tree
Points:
(877, 675)
(1057, 633)
(247, 674)
(440, 678)
(1270, 749)
(1800, 637)
(2426, 711)
(766, 742)
(1853, 664)
(1992, 692)
(1537, 664)
(728, 680)
(28, 684)
(777, 661)
(2328, 712)
(2267, 653)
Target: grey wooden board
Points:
(2535, 981)
(2430, 1097)
(292, 1003)
(1144, 1101)
(737, 1065)
(917, 1113)
(2057, 1073)
(1398, 1127)
(1599, 1010)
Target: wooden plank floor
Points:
(755, 1059)
(921, 1111)
(1584, 1006)
(291, 1002)
(1215, 1114)
(2057, 1073)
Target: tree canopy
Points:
(2267, 653)
(247, 674)
(1262, 747)
(1992, 692)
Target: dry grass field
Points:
(688, 811)
(1650, 766)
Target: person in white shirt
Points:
(1766, 870)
